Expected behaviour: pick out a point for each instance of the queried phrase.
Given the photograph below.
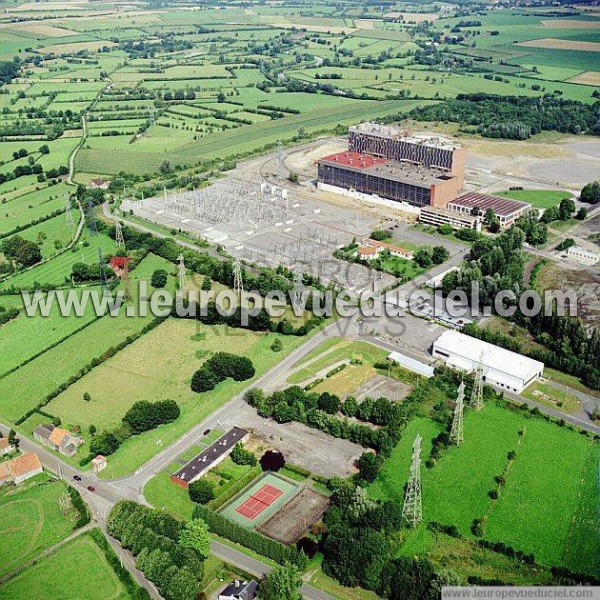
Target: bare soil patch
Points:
(558, 44)
(293, 519)
(567, 24)
(586, 78)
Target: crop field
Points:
(526, 515)
(31, 521)
(80, 556)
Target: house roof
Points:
(4, 443)
(354, 159)
(4, 471)
(99, 459)
(244, 590)
(98, 181)
(58, 436)
(391, 247)
(119, 262)
(367, 251)
(44, 430)
(23, 464)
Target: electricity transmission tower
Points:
(280, 155)
(298, 288)
(477, 394)
(238, 282)
(456, 432)
(68, 214)
(119, 234)
(412, 511)
(182, 277)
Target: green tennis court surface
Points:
(261, 499)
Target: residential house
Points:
(20, 468)
(5, 447)
(239, 590)
(58, 439)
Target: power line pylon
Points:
(298, 288)
(238, 282)
(119, 234)
(477, 393)
(412, 511)
(280, 154)
(68, 214)
(103, 284)
(92, 219)
(182, 276)
(456, 432)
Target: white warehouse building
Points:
(502, 368)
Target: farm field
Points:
(31, 520)
(81, 555)
(134, 374)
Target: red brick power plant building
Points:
(387, 162)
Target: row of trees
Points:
(249, 538)
(219, 367)
(169, 553)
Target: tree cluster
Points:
(495, 264)
(241, 456)
(144, 415)
(24, 252)
(219, 367)
(169, 553)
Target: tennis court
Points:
(260, 500)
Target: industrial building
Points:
(506, 209)
(385, 178)
(391, 142)
(436, 216)
(502, 368)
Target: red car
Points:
(91, 488)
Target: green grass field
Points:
(31, 521)
(527, 514)
(537, 198)
(78, 570)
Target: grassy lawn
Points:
(545, 394)
(331, 353)
(61, 576)
(537, 198)
(31, 521)
(41, 376)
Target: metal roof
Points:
(207, 457)
(493, 357)
(502, 206)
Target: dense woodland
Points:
(514, 117)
